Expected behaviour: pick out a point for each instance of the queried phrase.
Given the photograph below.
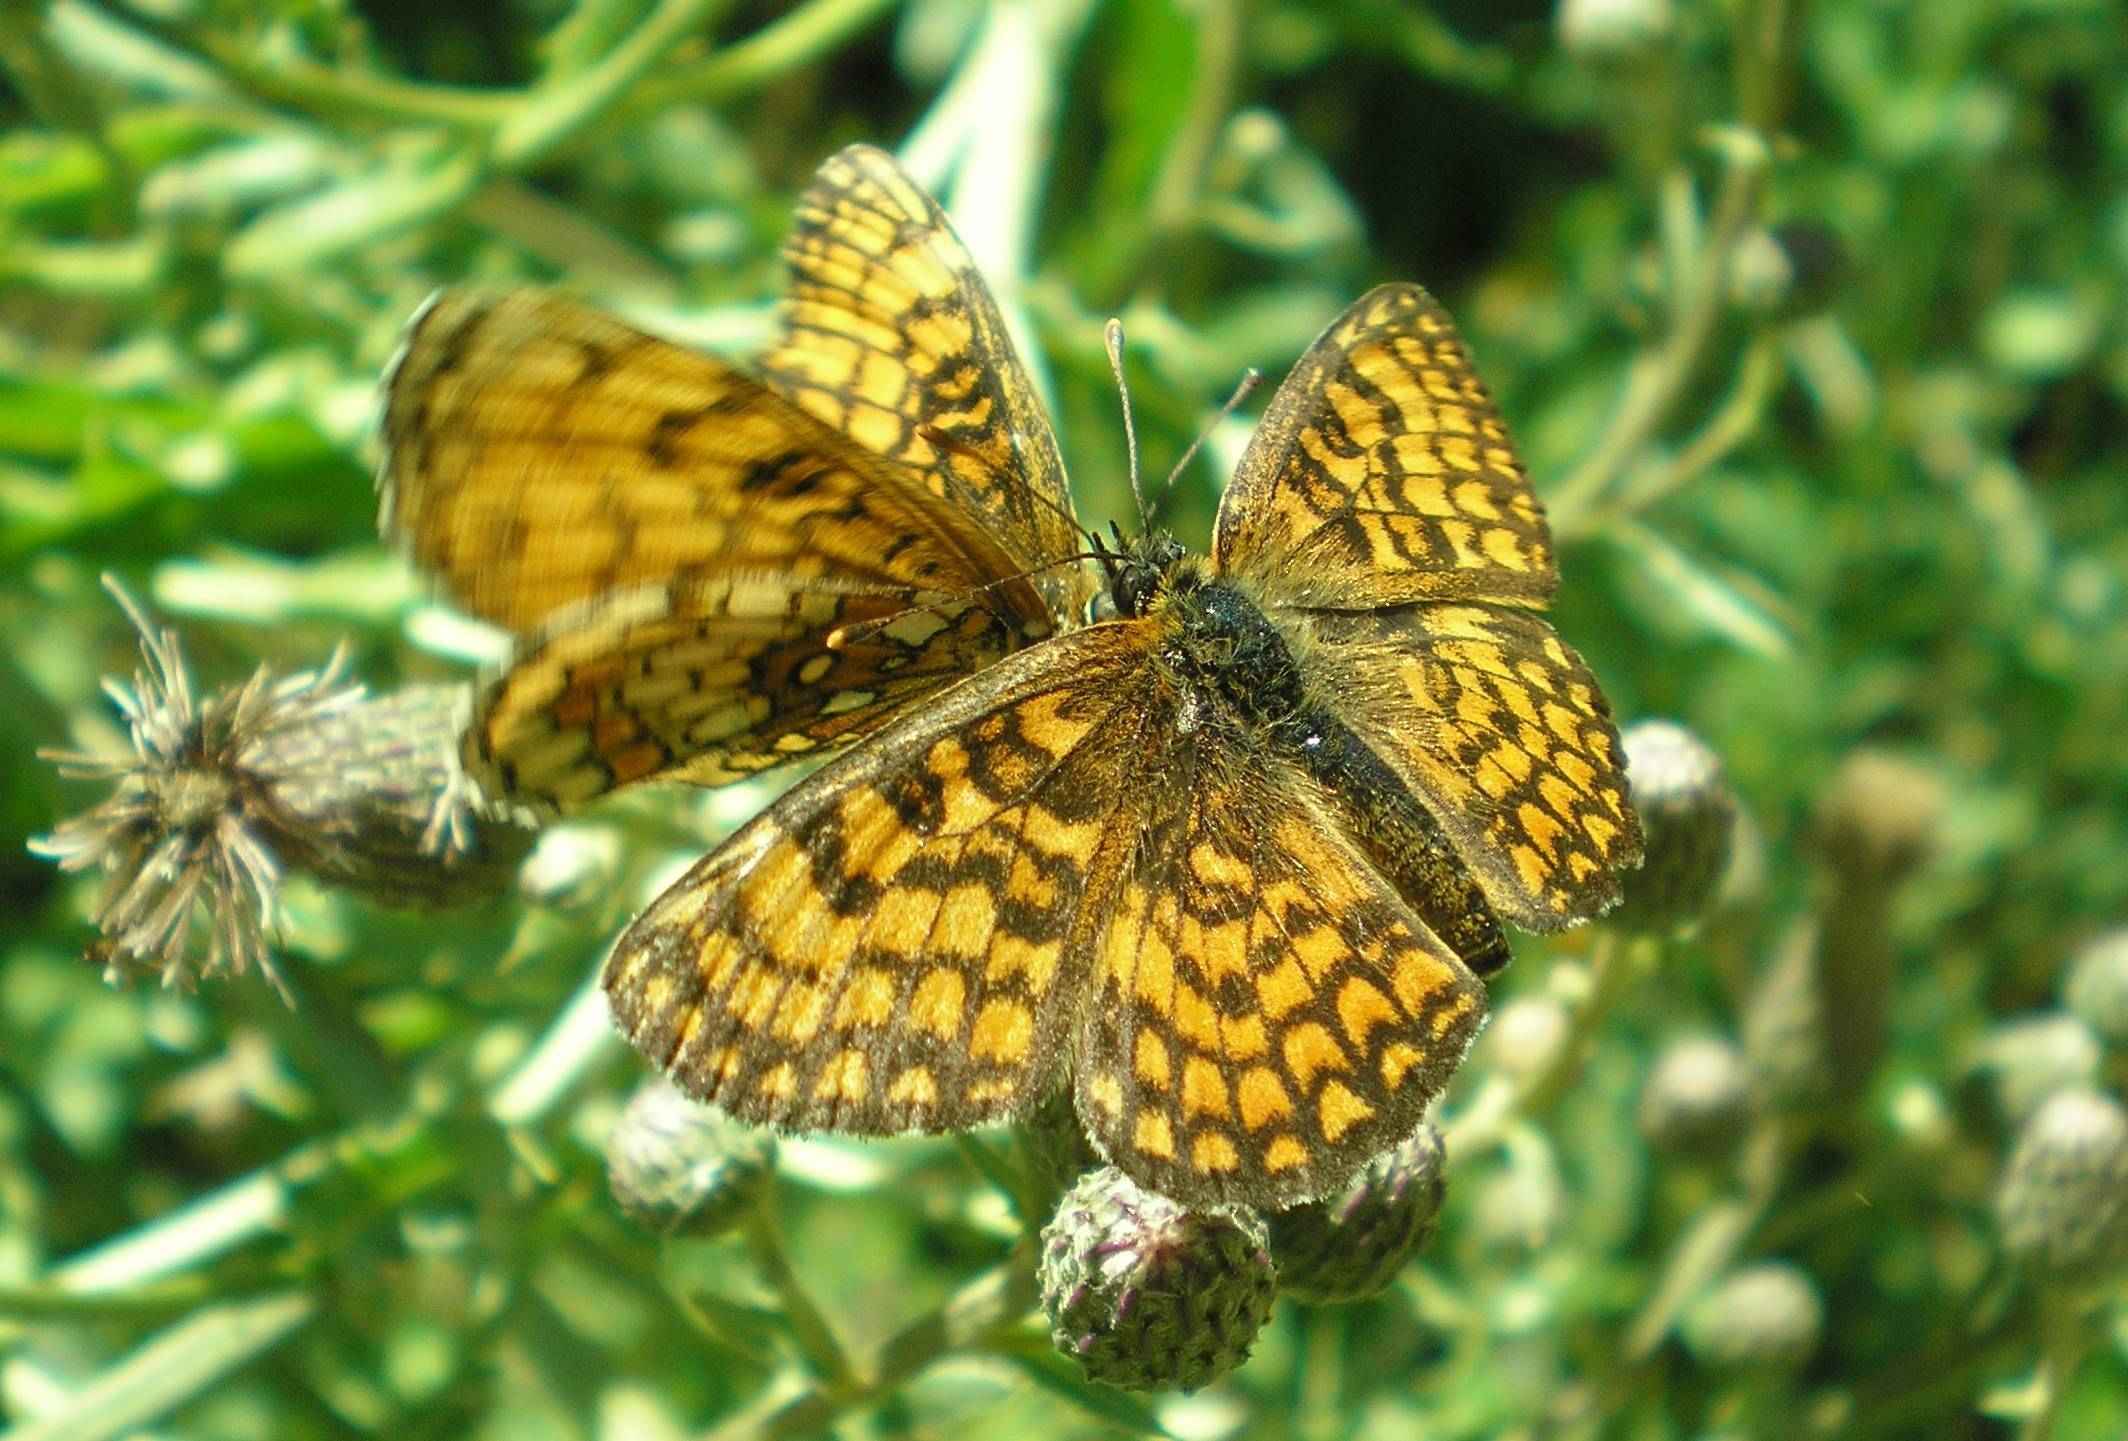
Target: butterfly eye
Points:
(1100, 606)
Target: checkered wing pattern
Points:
(901, 942)
(892, 337)
(1267, 1014)
(1381, 473)
(707, 578)
(1382, 506)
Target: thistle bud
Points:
(1875, 822)
(1526, 1035)
(1878, 818)
(2063, 1201)
(681, 1168)
(1762, 1317)
(2032, 1058)
(1697, 1097)
(1351, 1246)
(2097, 989)
(1688, 819)
(1146, 1295)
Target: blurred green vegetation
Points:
(1809, 321)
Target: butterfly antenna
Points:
(948, 443)
(843, 635)
(1248, 382)
(1112, 337)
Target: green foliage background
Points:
(1808, 317)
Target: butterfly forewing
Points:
(1381, 505)
(676, 543)
(1381, 473)
(540, 453)
(892, 337)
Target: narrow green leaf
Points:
(169, 1369)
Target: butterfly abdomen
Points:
(1221, 643)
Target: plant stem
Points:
(809, 1325)
(1658, 377)
(2065, 1335)
(1613, 963)
(1612, 966)
(553, 114)
(968, 1321)
(1733, 423)
(776, 49)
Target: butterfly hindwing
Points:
(1498, 726)
(1266, 1013)
(1381, 506)
(899, 943)
(715, 679)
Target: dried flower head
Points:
(219, 795)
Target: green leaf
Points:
(169, 1369)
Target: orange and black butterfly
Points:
(1222, 842)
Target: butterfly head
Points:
(1138, 569)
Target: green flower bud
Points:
(2031, 1058)
(681, 1168)
(1606, 31)
(1525, 1035)
(1760, 274)
(1688, 819)
(1878, 818)
(1697, 1097)
(1787, 270)
(1351, 1246)
(2063, 1201)
(1522, 1206)
(1147, 1295)
(1764, 1316)
(2097, 988)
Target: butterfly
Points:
(1222, 842)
